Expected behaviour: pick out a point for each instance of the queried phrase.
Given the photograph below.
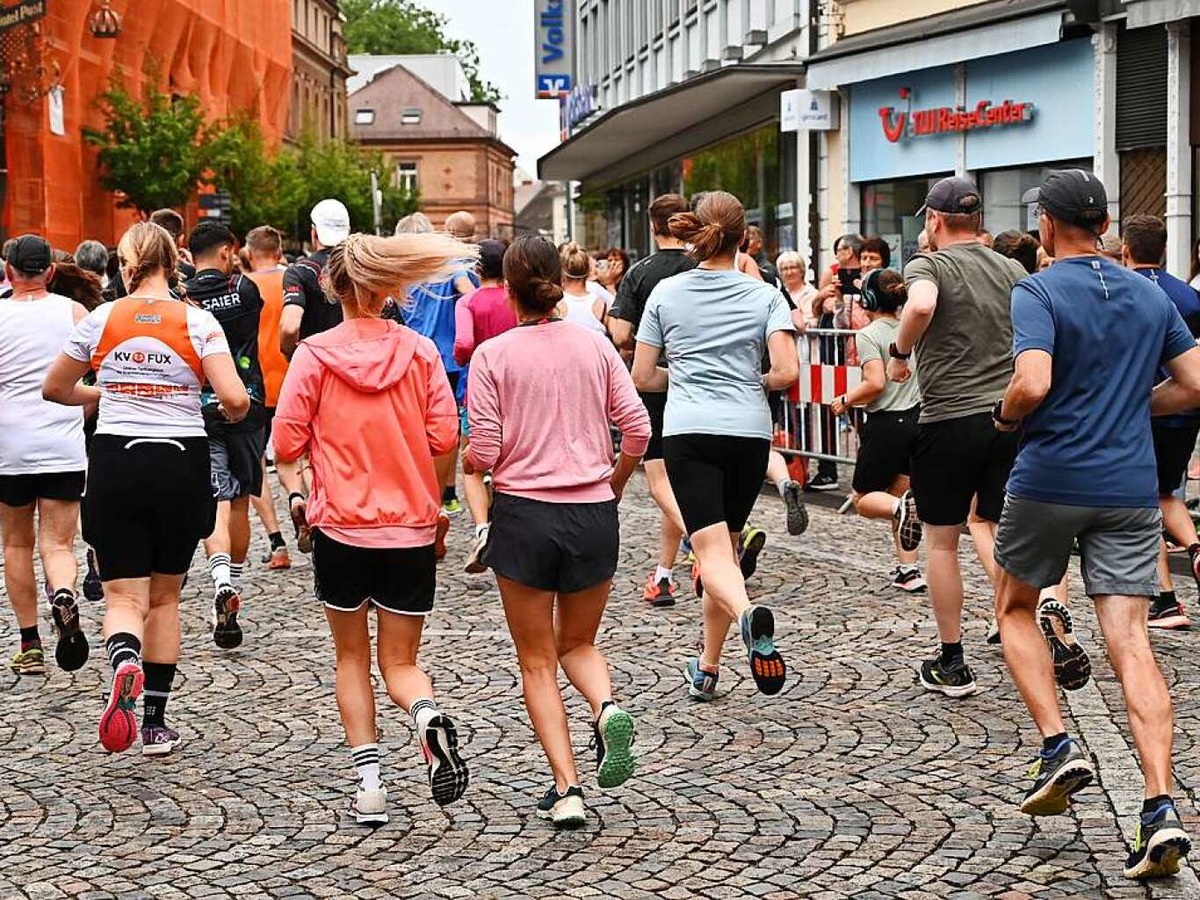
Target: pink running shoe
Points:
(118, 726)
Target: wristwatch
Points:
(999, 419)
(895, 353)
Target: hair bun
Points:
(547, 293)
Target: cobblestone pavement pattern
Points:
(851, 783)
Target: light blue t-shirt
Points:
(713, 327)
(1108, 330)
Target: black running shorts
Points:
(21, 490)
(147, 505)
(885, 449)
(716, 478)
(235, 452)
(957, 460)
(559, 547)
(1173, 448)
(399, 579)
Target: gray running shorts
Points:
(1118, 546)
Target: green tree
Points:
(152, 150)
(404, 26)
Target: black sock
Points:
(1151, 804)
(30, 638)
(276, 539)
(123, 647)
(449, 494)
(1050, 744)
(159, 677)
(952, 652)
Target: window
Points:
(364, 117)
(411, 116)
(406, 177)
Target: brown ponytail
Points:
(533, 270)
(146, 249)
(715, 227)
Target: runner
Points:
(374, 503)
(578, 304)
(542, 397)
(957, 319)
(1144, 243)
(264, 246)
(713, 324)
(149, 495)
(669, 259)
(889, 433)
(42, 459)
(479, 317)
(307, 311)
(236, 449)
(1087, 316)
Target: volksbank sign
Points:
(555, 55)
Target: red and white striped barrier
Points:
(822, 383)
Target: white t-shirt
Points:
(600, 292)
(579, 312)
(36, 436)
(147, 358)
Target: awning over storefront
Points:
(1143, 13)
(662, 126)
(988, 29)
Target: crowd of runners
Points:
(1008, 385)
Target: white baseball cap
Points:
(332, 221)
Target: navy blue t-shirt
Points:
(1109, 331)
(1187, 301)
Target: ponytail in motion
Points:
(364, 270)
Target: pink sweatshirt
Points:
(370, 403)
(541, 400)
(479, 316)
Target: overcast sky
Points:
(506, 41)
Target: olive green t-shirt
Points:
(964, 359)
(873, 342)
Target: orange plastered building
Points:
(235, 55)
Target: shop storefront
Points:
(1005, 120)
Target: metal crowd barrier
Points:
(805, 425)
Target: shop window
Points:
(889, 211)
(1002, 190)
(748, 167)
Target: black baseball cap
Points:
(30, 255)
(953, 195)
(1074, 196)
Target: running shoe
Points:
(659, 593)
(766, 665)
(227, 633)
(993, 632)
(1072, 668)
(1168, 616)
(613, 737)
(565, 810)
(1160, 844)
(93, 587)
(1056, 778)
(906, 523)
(439, 540)
(452, 507)
(697, 583)
(702, 685)
(822, 483)
(908, 578)
(29, 662)
(278, 559)
(369, 806)
(685, 547)
(118, 727)
(750, 544)
(448, 775)
(299, 513)
(475, 564)
(159, 740)
(954, 679)
(797, 512)
(1194, 559)
(71, 650)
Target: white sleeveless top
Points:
(579, 311)
(36, 436)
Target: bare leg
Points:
(777, 469)
(239, 529)
(219, 540)
(945, 580)
(57, 521)
(881, 505)
(530, 615)
(126, 606)
(399, 641)
(672, 529)
(983, 535)
(579, 616)
(16, 528)
(725, 597)
(355, 694)
(1123, 621)
(264, 503)
(161, 643)
(1026, 653)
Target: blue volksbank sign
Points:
(555, 56)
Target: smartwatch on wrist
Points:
(894, 352)
(999, 419)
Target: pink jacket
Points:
(541, 400)
(370, 403)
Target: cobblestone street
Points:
(851, 783)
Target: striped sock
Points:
(422, 711)
(159, 677)
(219, 566)
(122, 648)
(235, 573)
(366, 761)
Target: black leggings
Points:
(716, 478)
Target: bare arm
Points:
(914, 322)
(785, 361)
(62, 384)
(289, 329)
(648, 376)
(1028, 388)
(621, 332)
(867, 391)
(1181, 391)
(233, 401)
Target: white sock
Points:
(482, 529)
(235, 573)
(663, 572)
(219, 568)
(366, 761)
(781, 485)
(422, 710)
(896, 506)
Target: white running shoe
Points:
(370, 806)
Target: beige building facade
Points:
(319, 70)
